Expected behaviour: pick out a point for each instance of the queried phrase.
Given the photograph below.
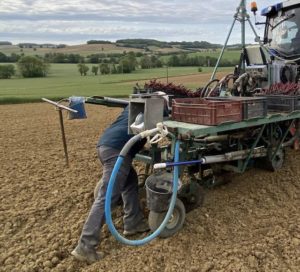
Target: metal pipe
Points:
(231, 156)
(59, 105)
(236, 155)
(290, 142)
(216, 138)
(63, 135)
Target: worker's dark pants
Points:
(126, 186)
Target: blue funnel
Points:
(77, 103)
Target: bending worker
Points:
(109, 147)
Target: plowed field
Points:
(251, 224)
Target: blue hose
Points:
(110, 187)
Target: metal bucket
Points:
(77, 103)
(159, 191)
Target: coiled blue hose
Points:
(110, 187)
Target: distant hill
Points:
(142, 43)
(145, 43)
(107, 47)
(5, 43)
(82, 49)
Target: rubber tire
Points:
(197, 202)
(97, 187)
(276, 165)
(155, 219)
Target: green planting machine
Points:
(227, 129)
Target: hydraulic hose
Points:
(110, 187)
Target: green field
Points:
(228, 54)
(64, 81)
(83, 50)
(88, 49)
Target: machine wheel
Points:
(277, 162)
(192, 196)
(175, 223)
(218, 178)
(97, 187)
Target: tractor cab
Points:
(282, 32)
(278, 60)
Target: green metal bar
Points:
(282, 140)
(144, 158)
(252, 148)
(194, 130)
(240, 162)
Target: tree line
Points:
(28, 66)
(121, 59)
(125, 64)
(12, 58)
(36, 66)
(194, 60)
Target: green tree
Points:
(7, 71)
(145, 62)
(14, 57)
(94, 58)
(125, 65)
(95, 70)
(30, 66)
(128, 62)
(132, 60)
(104, 69)
(83, 69)
(155, 62)
(114, 69)
(173, 61)
(3, 57)
(183, 59)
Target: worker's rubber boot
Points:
(139, 228)
(84, 255)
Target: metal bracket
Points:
(252, 149)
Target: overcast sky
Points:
(76, 21)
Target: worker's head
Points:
(164, 95)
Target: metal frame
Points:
(60, 108)
(244, 167)
(186, 130)
(242, 16)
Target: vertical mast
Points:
(243, 13)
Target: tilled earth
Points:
(251, 224)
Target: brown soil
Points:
(192, 81)
(251, 224)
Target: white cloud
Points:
(75, 20)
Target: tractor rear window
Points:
(284, 33)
